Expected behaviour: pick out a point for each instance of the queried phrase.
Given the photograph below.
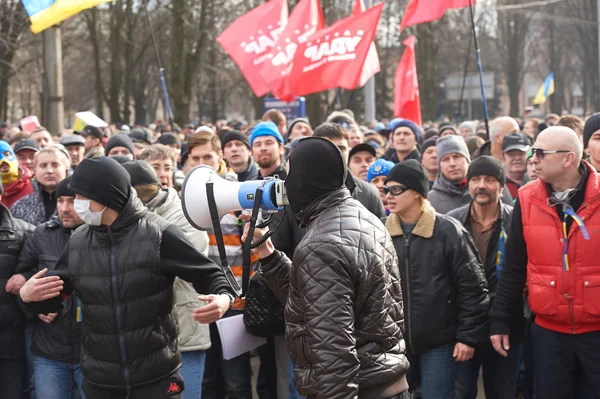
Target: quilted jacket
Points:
(31, 208)
(344, 316)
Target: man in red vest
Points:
(552, 250)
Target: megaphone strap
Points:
(214, 215)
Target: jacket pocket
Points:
(542, 295)
(591, 296)
(162, 331)
(298, 350)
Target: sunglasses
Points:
(540, 152)
(394, 190)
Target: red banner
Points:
(305, 20)
(371, 66)
(421, 11)
(334, 57)
(407, 102)
(250, 39)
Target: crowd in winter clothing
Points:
(410, 260)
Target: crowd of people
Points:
(409, 261)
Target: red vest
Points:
(563, 301)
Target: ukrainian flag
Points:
(46, 13)
(546, 89)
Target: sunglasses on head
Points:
(394, 190)
(540, 152)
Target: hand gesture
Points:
(15, 283)
(48, 318)
(463, 352)
(215, 308)
(39, 288)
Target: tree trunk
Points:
(426, 52)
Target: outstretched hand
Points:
(215, 308)
(39, 288)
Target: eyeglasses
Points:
(540, 152)
(394, 190)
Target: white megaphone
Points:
(229, 196)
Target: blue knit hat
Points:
(263, 129)
(381, 167)
(399, 122)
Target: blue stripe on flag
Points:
(547, 84)
(34, 6)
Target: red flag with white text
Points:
(421, 11)
(371, 66)
(250, 39)
(305, 20)
(407, 102)
(334, 57)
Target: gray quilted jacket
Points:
(31, 207)
(344, 315)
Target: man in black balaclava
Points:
(122, 264)
(346, 261)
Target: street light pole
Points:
(369, 89)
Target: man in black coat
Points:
(13, 233)
(56, 336)
(122, 264)
(487, 219)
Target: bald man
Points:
(561, 273)
(499, 128)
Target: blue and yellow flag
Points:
(546, 89)
(46, 13)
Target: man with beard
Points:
(56, 336)
(238, 154)
(16, 181)
(488, 221)
(51, 166)
(267, 149)
(514, 156)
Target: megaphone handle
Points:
(247, 248)
(214, 215)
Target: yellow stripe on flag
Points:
(59, 11)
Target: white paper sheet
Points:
(234, 338)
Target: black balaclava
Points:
(103, 180)
(316, 168)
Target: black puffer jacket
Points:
(13, 233)
(344, 316)
(445, 292)
(60, 340)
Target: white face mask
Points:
(82, 207)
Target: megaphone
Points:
(228, 196)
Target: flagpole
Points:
(458, 112)
(480, 70)
(161, 70)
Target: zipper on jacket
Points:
(119, 311)
(406, 243)
(572, 315)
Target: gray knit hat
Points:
(450, 145)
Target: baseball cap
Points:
(90, 130)
(362, 147)
(27, 144)
(515, 141)
(140, 135)
(72, 139)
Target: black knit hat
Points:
(141, 173)
(168, 138)
(411, 174)
(119, 140)
(430, 142)
(235, 135)
(487, 166)
(63, 190)
(592, 125)
(103, 180)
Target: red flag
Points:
(305, 20)
(407, 103)
(250, 39)
(371, 66)
(334, 57)
(421, 11)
